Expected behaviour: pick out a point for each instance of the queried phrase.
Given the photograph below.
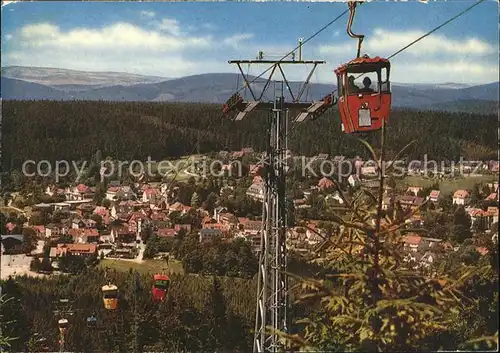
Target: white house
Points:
(256, 191)
(461, 197)
(336, 197)
(368, 170)
(61, 206)
(412, 242)
(414, 190)
(111, 193)
(150, 194)
(434, 196)
(353, 180)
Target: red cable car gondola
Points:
(161, 283)
(363, 109)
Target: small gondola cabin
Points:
(365, 107)
(110, 296)
(161, 284)
(91, 321)
(63, 325)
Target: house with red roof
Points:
(237, 154)
(84, 250)
(483, 219)
(325, 183)
(461, 197)
(186, 227)
(166, 232)
(482, 250)
(434, 196)
(40, 231)
(122, 234)
(492, 197)
(151, 195)
(112, 192)
(410, 201)
(254, 169)
(412, 242)
(222, 227)
(90, 235)
(493, 212)
(10, 226)
(179, 207)
(257, 180)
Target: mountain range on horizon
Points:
(21, 83)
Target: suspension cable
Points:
(297, 47)
(262, 74)
(321, 30)
(438, 27)
(414, 42)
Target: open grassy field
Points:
(170, 167)
(151, 266)
(447, 186)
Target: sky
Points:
(187, 38)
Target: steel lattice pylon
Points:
(272, 292)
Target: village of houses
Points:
(119, 235)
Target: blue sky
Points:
(186, 38)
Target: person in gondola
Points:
(366, 83)
(352, 86)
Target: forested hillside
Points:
(130, 130)
(200, 314)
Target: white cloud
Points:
(170, 65)
(5, 3)
(436, 58)
(117, 47)
(427, 71)
(170, 26)
(8, 36)
(388, 42)
(235, 40)
(173, 52)
(208, 26)
(40, 30)
(457, 71)
(148, 14)
(117, 37)
(384, 40)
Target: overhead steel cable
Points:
(328, 25)
(294, 49)
(262, 74)
(414, 42)
(435, 29)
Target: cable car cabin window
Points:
(385, 84)
(161, 284)
(340, 86)
(367, 83)
(112, 294)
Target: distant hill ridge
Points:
(62, 84)
(56, 77)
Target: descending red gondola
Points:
(363, 109)
(160, 287)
